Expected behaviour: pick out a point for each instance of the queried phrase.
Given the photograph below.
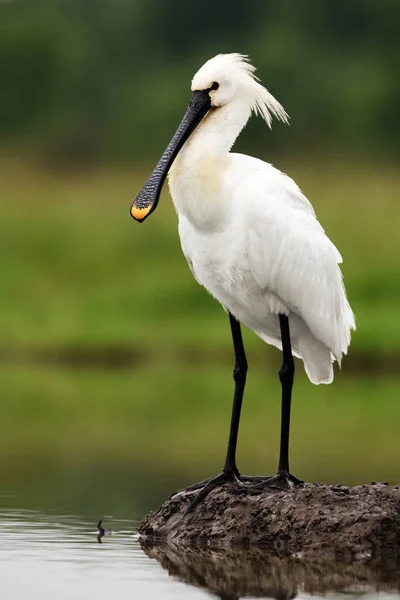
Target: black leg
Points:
(239, 375)
(230, 472)
(286, 376)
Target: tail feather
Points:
(317, 359)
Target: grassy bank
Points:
(172, 424)
(77, 271)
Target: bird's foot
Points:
(241, 483)
(280, 481)
(207, 485)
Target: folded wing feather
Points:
(291, 256)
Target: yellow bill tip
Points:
(139, 213)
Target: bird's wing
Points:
(290, 255)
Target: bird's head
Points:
(222, 81)
(229, 78)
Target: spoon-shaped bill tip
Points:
(140, 213)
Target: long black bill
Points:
(147, 199)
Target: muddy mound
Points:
(315, 520)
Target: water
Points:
(46, 556)
(77, 446)
(59, 556)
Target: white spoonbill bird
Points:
(252, 239)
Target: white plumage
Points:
(252, 239)
(250, 236)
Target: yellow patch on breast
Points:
(208, 173)
(202, 173)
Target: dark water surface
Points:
(50, 555)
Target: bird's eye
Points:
(215, 86)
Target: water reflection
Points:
(231, 574)
(102, 532)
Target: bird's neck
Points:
(217, 132)
(196, 177)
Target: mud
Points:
(311, 522)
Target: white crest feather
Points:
(238, 67)
(264, 102)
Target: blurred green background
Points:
(115, 370)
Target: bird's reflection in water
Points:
(231, 574)
(102, 532)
